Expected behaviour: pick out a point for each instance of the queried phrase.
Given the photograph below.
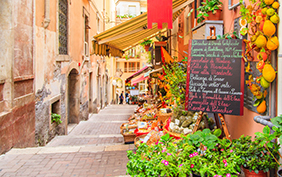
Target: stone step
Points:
(86, 140)
(70, 149)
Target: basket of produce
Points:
(138, 140)
(172, 134)
(164, 116)
(151, 138)
(127, 132)
(184, 122)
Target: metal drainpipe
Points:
(230, 6)
(264, 120)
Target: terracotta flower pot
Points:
(253, 174)
(216, 16)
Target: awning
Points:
(157, 70)
(135, 81)
(145, 69)
(132, 32)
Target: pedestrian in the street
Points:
(121, 98)
(127, 97)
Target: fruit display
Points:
(259, 21)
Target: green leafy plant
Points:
(56, 118)
(208, 6)
(254, 154)
(268, 139)
(202, 153)
(146, 42)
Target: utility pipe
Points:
(264, 120)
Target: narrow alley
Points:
(93, 148)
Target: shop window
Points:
(138, 66)
(63, 27)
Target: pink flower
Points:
(222, 149)
(191, 155)
(180, 165)
(228, 175)
(231, 150)
(192, 165)
(215, 176)
(205, 148)
(157, 142)
(165, 162)
(225, 164)
(142, 142)
(168, 153)
(195, 153)
(224, 161)
(219, 175)
(163, 150)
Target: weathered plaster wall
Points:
(17, 116)
(55, 72)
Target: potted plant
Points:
(269, 140)
(210, 9)
(146, 43)
(255, 157)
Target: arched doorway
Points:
(73, 97)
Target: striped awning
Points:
(141, 78)
(132, 32)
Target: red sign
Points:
(159, 11)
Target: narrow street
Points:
(93, 148)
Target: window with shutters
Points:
(63, 27)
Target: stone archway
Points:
(73, 97)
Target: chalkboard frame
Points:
(242, 76)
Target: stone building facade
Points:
(70, 80)
(48, 66)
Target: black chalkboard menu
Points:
(215, 76)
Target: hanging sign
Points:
(159, 11)
(215, 76)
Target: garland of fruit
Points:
(258, 21)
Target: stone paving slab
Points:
(93, 148)
(82, 164)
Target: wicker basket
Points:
(136, 139)
(164, 116)
(172, 134)
(128, 137)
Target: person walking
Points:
(127, 97)
(121, 98)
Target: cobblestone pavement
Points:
(93, 148)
